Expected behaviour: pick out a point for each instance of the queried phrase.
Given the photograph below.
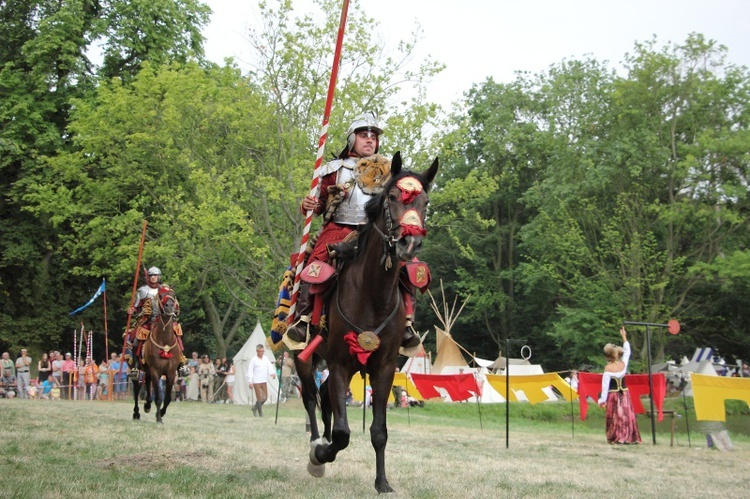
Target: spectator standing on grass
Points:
(120, 373)
(220, 380)
(23, 373)
(103, 380)
(230, 381)
(57, 363)
(80, 384)
(44, 366)
(621, 426)
(258, 371)
(68, 376)
(192, 382)
(194, 361)
(206, 373)
(90, 378)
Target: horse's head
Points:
(167, 301)
(404, 202)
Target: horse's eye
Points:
(392, 197)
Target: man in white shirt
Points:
(258, 371)
(23, 366)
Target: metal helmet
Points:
(365, 121)
(154, 271)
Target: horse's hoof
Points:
(384, 488)
(136, 416)
(146, 409)
(313, 459)
(316, 470)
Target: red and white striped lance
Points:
(315, 185)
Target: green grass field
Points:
(66, 449)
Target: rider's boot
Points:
(183, 359)
(136, 358)
(410, 339)
(302, 315)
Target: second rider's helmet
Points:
(154, 271)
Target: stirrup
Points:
(412, 346)
(293, 344)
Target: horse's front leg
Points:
(381, 386)
(156, 389)
(136, 393)
(338, 381)
(167, 396)
(147, 388)
(325, 411)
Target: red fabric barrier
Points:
(459, 386)
(590, 385)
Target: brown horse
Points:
(366, 306)
(161, 357)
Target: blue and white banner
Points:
(99, 291)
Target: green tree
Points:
(44, 65)
(180, 147)
(642, 197)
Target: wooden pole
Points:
(135, 288)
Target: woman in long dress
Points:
(621, 425)
(193, 385)
(230, 382)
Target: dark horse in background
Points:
(367, 301)
(161, 357)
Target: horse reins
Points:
(359, 330)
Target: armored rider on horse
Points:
(346, 185)
(150, 297)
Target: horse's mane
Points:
(348, 252)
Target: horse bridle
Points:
(389, 240)
(165, 348)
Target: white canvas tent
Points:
(701, 363)
(418, 364)
(242, 394)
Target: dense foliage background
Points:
(567, 202)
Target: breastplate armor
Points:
(351, 211)
(147, 292)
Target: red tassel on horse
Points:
(412, 230)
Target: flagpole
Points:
(106, 335)
(132, 295)
(314, 186)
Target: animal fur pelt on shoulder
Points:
(372, 173)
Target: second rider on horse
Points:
(149, 298)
